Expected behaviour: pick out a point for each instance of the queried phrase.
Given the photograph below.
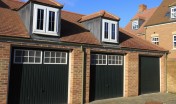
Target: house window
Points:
(115, 60)
(27, 57)
(135, 25)
(174, 41)
(98, 59)
(155, 40)
(52, 57)
(45, 20)
(173, 12)
(109, 31)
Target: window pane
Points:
(31, 53)
(63, 60)
(31, 59)
(38, 54)
(58, 54)
(37, 60)
(52, 60)
(47, 54)
(25, 53)
(58, 60)
(25, 59)
(106, 30)
(40, 19)
(52, 54)
(174, 44)
(46, 60)
(18, 53)
(113, 31)
(51, 21)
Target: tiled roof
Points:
(49, 2)
(101, 13)
(11, 4)
(144, 16)
(71, 31)
(11, 24)
(162, 14)
(128, 40)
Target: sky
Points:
(125, 9)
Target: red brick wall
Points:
(4, 66)
(131, 74)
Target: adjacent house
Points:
(137, 23)
(161, 30)
(49, 56)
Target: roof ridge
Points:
(113, 15)
(73, 12)
(55, 2)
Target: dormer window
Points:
(45, 20)
(173, 12)
(135, 25)
(109, 31)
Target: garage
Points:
(38, 76)
(106, 76)
(149, 74)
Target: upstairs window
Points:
(174, 41)
(135, 25)
(155, 40)
(173, 12)
(45, 20)
(109, 31)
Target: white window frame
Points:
(98, 59)
(45, 30)
(55, 58)
(118, 59)
(135, 25)
(173, 13)
(155, 40)
(110, 22)
(28, 56)
(174, 41)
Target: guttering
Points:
(28, 41)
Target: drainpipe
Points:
(166, 71)
(83, 59)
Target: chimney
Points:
(142, 8)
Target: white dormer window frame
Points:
(109, 31)
(48, 20)
(135, 24)
(155, 40)
(173, 12)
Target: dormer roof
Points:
(101, 13)
(48, 2)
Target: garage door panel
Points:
(149, 75)
(106, 81)
(38, 83)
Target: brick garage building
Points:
(74, 60)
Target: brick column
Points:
(87, 79)
(131, 74)
(4, 66)
(76, 77)
(163, 74)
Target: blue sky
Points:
(125, 9)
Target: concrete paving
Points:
(155, 98)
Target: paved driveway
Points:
(158, 98)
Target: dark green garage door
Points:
(149, 75)
(106, 76)
(38, 77)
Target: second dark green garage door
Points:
(149, 75)
(106, 76)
